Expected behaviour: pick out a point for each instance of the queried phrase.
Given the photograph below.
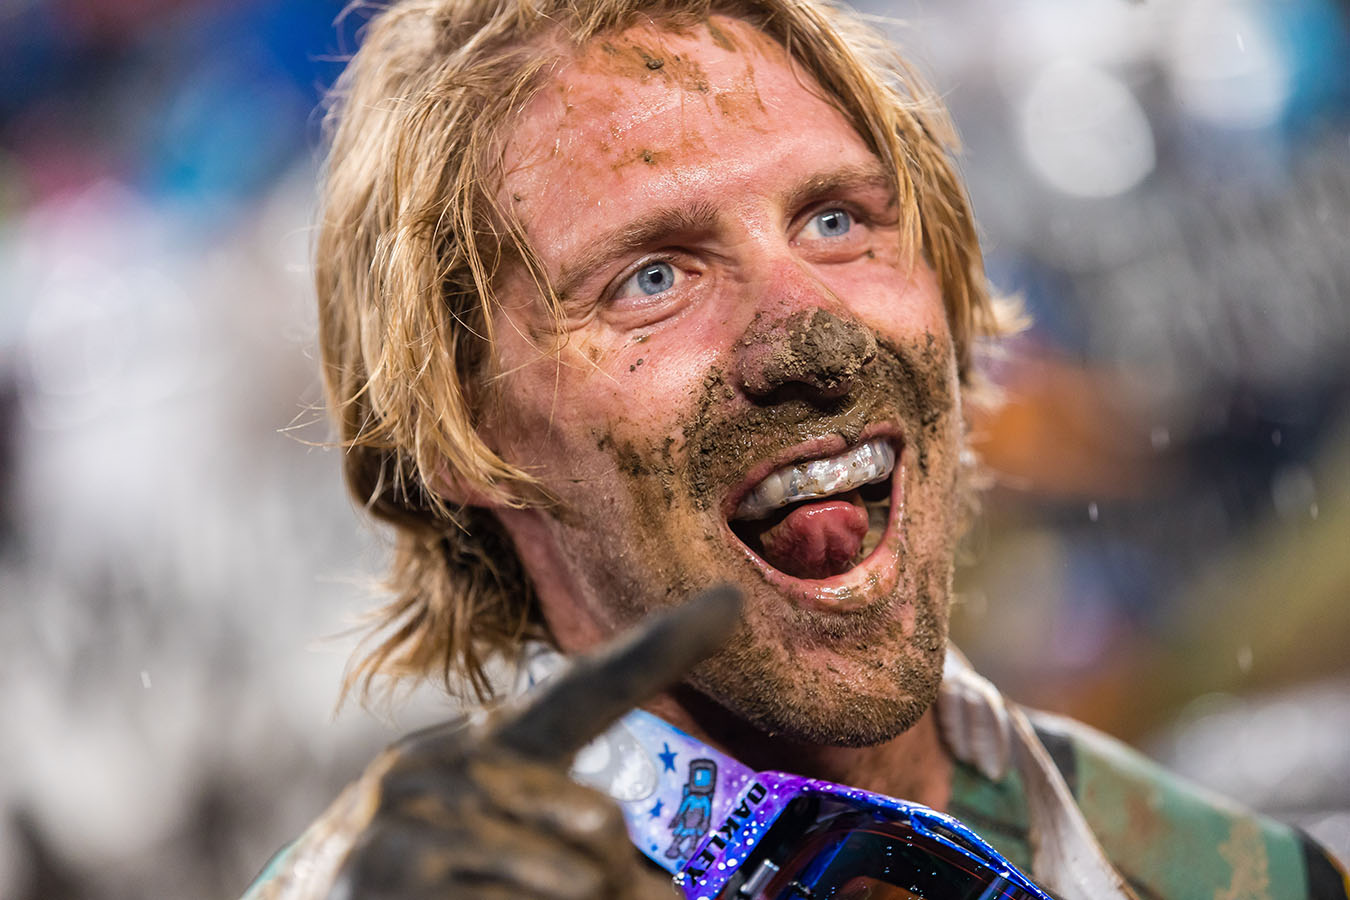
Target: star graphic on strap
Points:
(656, 810)
(668, 758)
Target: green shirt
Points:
(1169, 839)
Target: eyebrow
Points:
(662, 224)
(632, 237)
(862, 176)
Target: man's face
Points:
(737, 305)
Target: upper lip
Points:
(814, 448)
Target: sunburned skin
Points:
(736, 299)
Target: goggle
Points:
(829, 841)
(730, 833)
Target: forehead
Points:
(657, 114)
(623, 82)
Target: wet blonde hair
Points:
(411, 235)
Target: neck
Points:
(914, 765)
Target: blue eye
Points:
(651, 279)
(832, 222)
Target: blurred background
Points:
(1164, 552)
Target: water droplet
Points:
(1293, 490)
(1160, 437)
(1092, 511)
(1244, 658)
(145, 675)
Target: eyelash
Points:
(857, 217)
(681, 274)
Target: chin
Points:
(859, 691)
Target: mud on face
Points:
(757, 676)
(902, 383)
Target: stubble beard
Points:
(881, 682)
(874, 671)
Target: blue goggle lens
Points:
(824, 848)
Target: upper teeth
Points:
(865, 464)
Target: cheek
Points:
(540, 427)
(894, 302)
(574, 417)
(522, 422)
(938, 496)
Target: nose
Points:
(811, 349)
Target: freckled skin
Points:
(727, 133)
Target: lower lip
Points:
(876, 576)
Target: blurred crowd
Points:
(1163, 547)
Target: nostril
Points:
(812, 348)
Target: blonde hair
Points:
(411, 237)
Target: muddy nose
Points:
(812, 349)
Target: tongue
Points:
(816, 540)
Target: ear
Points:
(455, 490)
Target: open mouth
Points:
(822, 517)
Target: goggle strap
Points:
(673, 789)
